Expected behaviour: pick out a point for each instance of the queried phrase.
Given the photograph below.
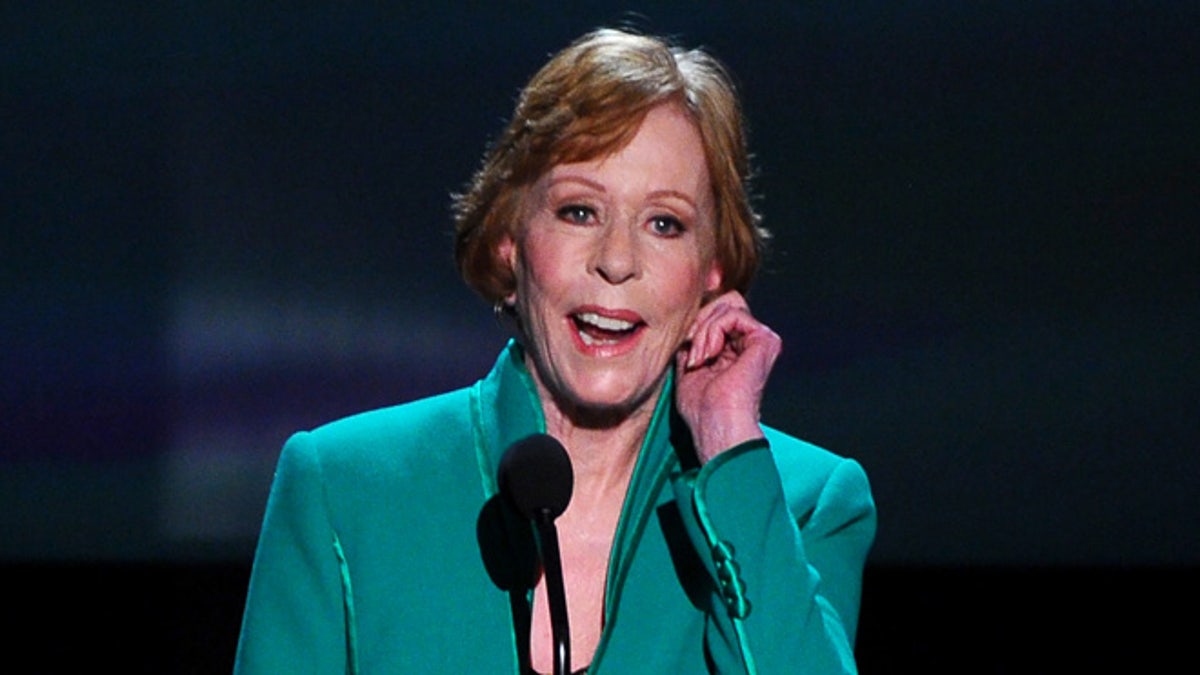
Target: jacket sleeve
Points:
(296, 613)
(785, 585)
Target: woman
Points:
(611, 224)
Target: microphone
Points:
(536, 478)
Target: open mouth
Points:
(597, 330)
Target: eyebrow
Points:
(569, 178)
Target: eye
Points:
(666, 226)
(576, 213)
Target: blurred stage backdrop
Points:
(222, 224)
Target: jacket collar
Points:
(506, 408)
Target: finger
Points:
(707, 341)
(750, 339)
(710, 337)
(762, 345)
(728, 329)
(711, 307)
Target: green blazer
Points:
(384, 549)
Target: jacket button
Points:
(722, 551)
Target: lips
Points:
(605, 329)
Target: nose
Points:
(616, 258)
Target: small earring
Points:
(504, 308)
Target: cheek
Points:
(532, 270)
(539, 275)
(684, 304)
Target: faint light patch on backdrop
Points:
(256, 365)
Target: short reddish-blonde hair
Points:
(587, 102)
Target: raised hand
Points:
(722, 370)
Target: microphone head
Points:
(535, 476)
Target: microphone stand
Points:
(535, 476)
(555, 594)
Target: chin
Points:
(599, 404)
(596, 390)
(598, 415)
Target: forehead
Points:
(666, 152)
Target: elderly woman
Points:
(610, 222)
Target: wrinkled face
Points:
(611, 263)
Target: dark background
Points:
(222, 224)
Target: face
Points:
(611, 262)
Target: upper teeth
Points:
(604, 322)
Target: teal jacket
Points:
(384, 550)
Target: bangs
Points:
(586, 126)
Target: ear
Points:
(506, 251)
(713, 279)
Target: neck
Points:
(601, 457)
(603, 444)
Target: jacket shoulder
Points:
(413, 432)
(810, 473)
(797, 459)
